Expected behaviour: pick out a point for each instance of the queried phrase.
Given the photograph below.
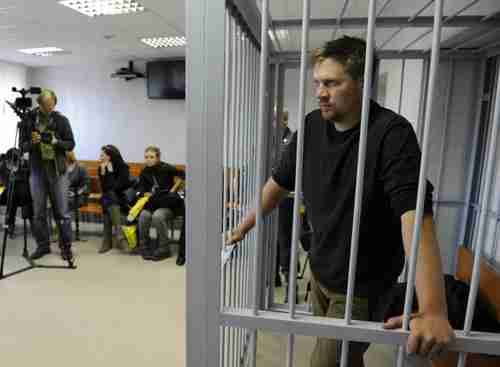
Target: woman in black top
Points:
(158, 181)
(114, 176)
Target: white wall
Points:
(11, 75)
(389, 87)
(291, 96)
(111, 111)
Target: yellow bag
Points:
(137, 208)
(130, 233)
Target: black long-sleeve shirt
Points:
(79, 180)
(116, 181)
(329, 176)
(161, 175)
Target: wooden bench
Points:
(489, 286)
(94, 207)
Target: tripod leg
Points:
(77, 223)
(4, 248)
(25, 231)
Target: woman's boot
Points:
(107, 236)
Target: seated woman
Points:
(79, 182)
(114, 176)
(158, 180)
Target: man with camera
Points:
(47, 138)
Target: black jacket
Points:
(117, 181)
(163, 173)
(159, 180)
(457, 292)
(79, 180)
(61, 127)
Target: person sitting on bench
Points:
(79, 182)
(114, 175)
(157, 180)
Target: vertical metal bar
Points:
(422, 181)
(490, 170)
(272, 227)
(422, 102)
(292, 281)
(446, 122)
(360, 174)
(205, 123)
(401, 86)
(260, 165)
(241, 179)
(227, 101)
(494, 246)
(237, 149)
(233, 167)
(472, 159)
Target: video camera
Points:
(23, 104)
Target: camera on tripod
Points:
(23, 102)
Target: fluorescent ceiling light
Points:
(94, 8)
(157, 42)
(42, 51)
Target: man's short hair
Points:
(47, 93)
(348, 51)
(154, 150)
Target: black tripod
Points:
(15, 165)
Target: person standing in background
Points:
(49, 138)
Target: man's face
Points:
(339, 96)
(47, 104)
(150, 158)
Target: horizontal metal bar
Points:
(362, 331)
(475, 39)
(292, 58)
(389, 22)
(300, 308)
(452, 203)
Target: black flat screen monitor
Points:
(166, 79)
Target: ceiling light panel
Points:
(42, 51)
(161, 42)
(93, 8)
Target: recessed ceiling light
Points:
(42, 51)
(157, 42)
(94, 8)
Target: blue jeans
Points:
(55, 188)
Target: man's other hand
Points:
(36, 138)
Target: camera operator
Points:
(47, 138)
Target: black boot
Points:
(161, 253)
(40, 252)
(149, 250)
(181, 260)
(277, 280)
(66, 253)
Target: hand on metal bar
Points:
(234, 237)
(430, 334)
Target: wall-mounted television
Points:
(166, 79)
